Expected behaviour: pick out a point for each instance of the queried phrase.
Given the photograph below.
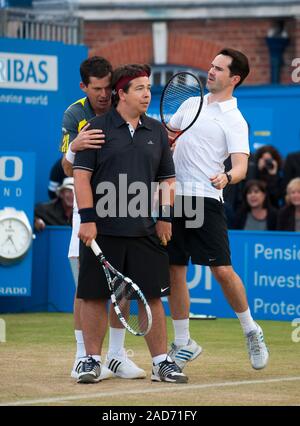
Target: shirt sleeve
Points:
(69, 130)
(166, 168)
(86, 160)
(237, 137)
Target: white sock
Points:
(181, 332)
(80, 348)
(159, 358)
(116, 342)
(96, 358)
(246, 320)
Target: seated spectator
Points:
(57, 175)
(58, 211)
(289, 215)
(291, 168)
(256, 213)
(268, 168)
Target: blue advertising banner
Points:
(38, 81)
(17, 182)
(269, 266)
(267, 262)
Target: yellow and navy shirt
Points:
(75, 118)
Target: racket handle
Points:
(95, 248)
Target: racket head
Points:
(183, 90)
(131, 306)
(127, 298)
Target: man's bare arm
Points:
(239, 162)
(84, 197)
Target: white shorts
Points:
(74, 243)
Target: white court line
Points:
(159, 389)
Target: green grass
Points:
(40, 347)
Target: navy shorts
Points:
(206, 244)
(142, 259)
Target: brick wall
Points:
(194, 43)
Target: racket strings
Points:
(131, 306)
(183, 91)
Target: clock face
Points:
(15, 238)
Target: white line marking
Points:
(159, 389)
(193, 300)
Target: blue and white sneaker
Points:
(257, 349)
(106, 373)
(185, 353)
(167, 371)
(89, 371)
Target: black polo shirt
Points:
(121, 168)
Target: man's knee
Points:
(223, 274)
(177, 274)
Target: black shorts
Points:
(142, 259)
(206, 245)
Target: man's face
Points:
(218, 78)
(138, 96)
(67, 197)
(99, 93)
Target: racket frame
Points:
(201, 95)
(107, 268)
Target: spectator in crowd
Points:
(291, 167)
(57, 175)
(268, 168)
(256, 213)
(58, 211)
(289, 215)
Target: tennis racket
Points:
(183, 94)
(127, 298)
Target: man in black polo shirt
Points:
(135, 155)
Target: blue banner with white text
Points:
(268, 263)
(17, 184)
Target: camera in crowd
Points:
(269, 164)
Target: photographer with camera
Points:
(268, 168)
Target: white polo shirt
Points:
(220, 130)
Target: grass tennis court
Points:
(37, 358)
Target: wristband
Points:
(166, 213)
(87, 215)
(70, 155)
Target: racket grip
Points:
(95, 248)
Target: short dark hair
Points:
(129, 70)
(255, 183)
(239, 64)
(96, 66)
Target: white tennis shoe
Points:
(257, 349)
(123, 367)
(185, 353)
(105, 372)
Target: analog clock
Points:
(15, 235)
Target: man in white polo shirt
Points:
(219, 132)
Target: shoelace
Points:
(89, 365)
(255, 345)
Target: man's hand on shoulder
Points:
(88, 139)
